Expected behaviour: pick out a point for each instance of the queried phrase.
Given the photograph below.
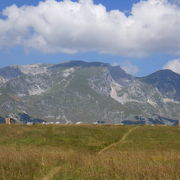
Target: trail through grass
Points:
(55, 170)
(52, 173)
(89, 152)
(120, 141)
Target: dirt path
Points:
(55, 170)
(120, 141)
(52, 173)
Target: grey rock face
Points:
(78, 91)
(166, 81)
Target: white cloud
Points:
(129, 67)
(70, 27)
(173, 65)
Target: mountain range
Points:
(88, 92)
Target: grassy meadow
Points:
(89, 152)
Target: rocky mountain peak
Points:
(166, 81)
(89, 92)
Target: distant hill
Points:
(167, 82)
(89, 92)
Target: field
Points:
(89, 152)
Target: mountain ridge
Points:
(88, 92)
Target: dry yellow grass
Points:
(37, 164)
(20, 160)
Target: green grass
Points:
(33, 152)
(81, 138)
(152, 138)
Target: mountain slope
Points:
(78, 91)
(166, 81)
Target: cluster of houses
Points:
(45, 123)
(26, 119)
(10, 121)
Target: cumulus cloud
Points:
(129, 67)
(173, 65)
(71, 27)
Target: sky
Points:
(140, 36)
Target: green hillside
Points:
(89, 152)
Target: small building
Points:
(57, 122)
(29, 123)
(99, 122)
(9, 121)
(78, 123)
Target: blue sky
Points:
(110, 4)
(138, 55)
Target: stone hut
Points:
(9, 121)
